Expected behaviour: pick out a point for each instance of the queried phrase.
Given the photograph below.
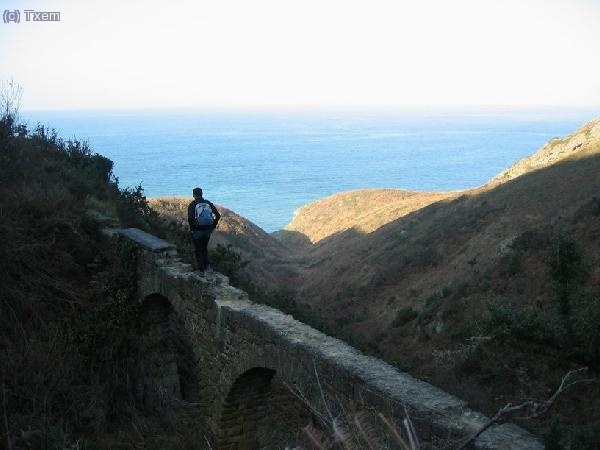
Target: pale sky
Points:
(304, 53)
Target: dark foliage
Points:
(133, 209)
(227, 260)
(403, 316)
(568, 273)
(66, 309)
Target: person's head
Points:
(197, 192)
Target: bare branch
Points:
(341, 435)
(362, 432)
(322, 393)
(536, 407)
(304, 400)
(410, 431)
(394, 431)
(10, 100)
(315, 440)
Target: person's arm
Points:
(216, 213)
(191, 218)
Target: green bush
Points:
(568, 273)
(590, 208)
(565, 261)
(510, 324)
(529, 240)
(403, 316)
(63, 336)
(122, 276)
(586, 326)
(133, 208)
(433, 304)
(227, 260)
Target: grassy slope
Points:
(441, 262)
(426, 248)
(270, 265)
(47, 297)
(393, 248)
(363, 210)
(446, 262)
(70, 346)
(444, 256)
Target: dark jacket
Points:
(192, 219)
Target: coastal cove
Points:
(265, 165)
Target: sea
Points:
(264, 165)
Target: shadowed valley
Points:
(460, 288)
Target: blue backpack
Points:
(203, 214)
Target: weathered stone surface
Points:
(146, 240)
(102, 220)
(232, 338)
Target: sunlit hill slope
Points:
(460, 287)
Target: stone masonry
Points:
(244, 353)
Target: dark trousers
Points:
(201, 249)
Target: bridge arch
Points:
(234, 339)
(260, 411)
(244, 409)
(165, 371)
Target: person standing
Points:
(203, 218)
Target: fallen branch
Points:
(323, 394)
(410, 430)
(536, 407)
(306, 402)
(340, 426)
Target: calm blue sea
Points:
(266, 165)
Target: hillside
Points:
(268, 259)
(577, 145)
(437, 288)
(424, 248)
(71, 356)
(459, 288)
(363, 210)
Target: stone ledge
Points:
(146, 240)
(102, 220)
(442, 409)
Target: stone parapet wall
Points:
(231, 336)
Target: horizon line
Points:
(328, 108)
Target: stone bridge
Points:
(257, 376)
